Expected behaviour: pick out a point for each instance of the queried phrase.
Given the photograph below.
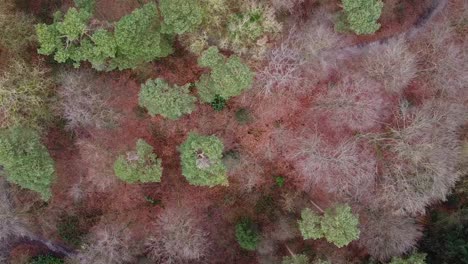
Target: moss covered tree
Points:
(201, 158)
(171, 102)
(26, 160)
(141, 165)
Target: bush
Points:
(26, 160)
(69, 230)
(415, 258)
(228, 77)
(136, 39)
(25, 95)
(296, 259)
(87, 5)
(178, 238)
(247, 235)
(361, 16)
(180, 16)
(243, 116)
(46, 259)
(169, 101)
(338, 225)
(140, 165)
(219, 103)
(81, 101)
(201, 158)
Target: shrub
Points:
(296, 259)
(87, 5)
(180, 16)
(415, 258)
(247, 235)
(169, 101)
(228, 77)
(81, 101)
(201, 158)
(178, 238)
(110, 244)
(69, 230)
(140, 165)
(25, 95)
(26, 160)
(384, 234)
(338, 225)
(243, 116)
(361, 16)
(391, 63)
(46, 259)
(219, 103)
(136, 39)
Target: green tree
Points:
(340, 225)
(26, 160)
(296, 259)
(337, 225)
(247, 235)
(46, 259)
(228, 77)
(180, 16)
(139, 38)
(415, 258)
(141, 165)
(309, 225)
(169, 101)
(201, 158)
(361, 16)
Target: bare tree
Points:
(247, 171)
(347, 168)
(421, 156)
(391, 63)
(177, 239)
(82, 102)
(11, 225)
(286, 5)
(108, 244)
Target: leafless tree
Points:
(354, 102)
(177, 239)
(246, 171)
(385, 235)
(81, 100)
(391, 63)
(421, 156)
(286, 5)
(11, 225)
(348, 168)
(108, 244)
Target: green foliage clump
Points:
(361, 16)
(243, 116)
(247, 235)
(201, 158)
(446, 237)
(141, 165)
(46, 259)
(69, 230)
(169, 101)
(296, 259)
(309, 225)
(416, 258)
(25, 95)
(219, 103)
(15, 28)
(87, 5)
(228, 77)
(180, 16)
(26, 160)
(136, 39)
(338, 225)
(280, 181)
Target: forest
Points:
(233, 131)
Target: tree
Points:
(16, 29)
(201, 158)
(296, 259)
(26, 160)
(25, 95)
(180, 16)
(139, 38)
(310, 224)
(140, 165)
(361, 15)
(169, 101)
(415, 258)
(338, 225)
(178, 238)
(247, 235)
(228, 77)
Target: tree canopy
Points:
(361, 15)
